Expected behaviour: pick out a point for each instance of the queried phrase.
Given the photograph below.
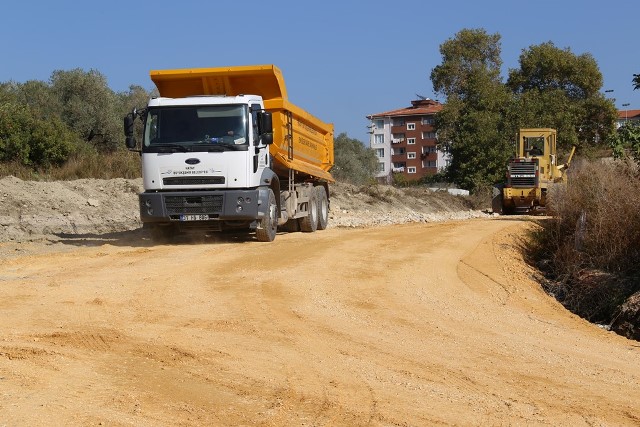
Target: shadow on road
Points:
(139, 238)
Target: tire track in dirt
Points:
(423, 324)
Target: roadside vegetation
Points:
(354, 163)
(590, 249)
(66, 128)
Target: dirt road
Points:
(423, 324)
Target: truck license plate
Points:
(194, 217)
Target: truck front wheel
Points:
(266, 231)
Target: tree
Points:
(626, 138)
(8, 92)
(354, 163)
(40, 98)
(558, 89)
(136, 97)
(473, 124)
(89, 107)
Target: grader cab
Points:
(530, 174)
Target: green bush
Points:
(32, 141)
(15, 129)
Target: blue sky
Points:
(341, 60)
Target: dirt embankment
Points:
(34, 210)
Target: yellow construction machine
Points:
(530, 174)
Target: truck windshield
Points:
(194, 128)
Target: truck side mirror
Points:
(265, 127)
(128, 131)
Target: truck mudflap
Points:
(201, 206)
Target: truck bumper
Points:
(203, 206)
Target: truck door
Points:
(260, 153)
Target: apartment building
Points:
(404, 141)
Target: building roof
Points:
(628, 114)
(419, 107)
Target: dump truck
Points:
(224, 149)
(530, 173)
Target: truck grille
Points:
(193, 180)
(176, 205)
(522, 174)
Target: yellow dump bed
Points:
(311, 149)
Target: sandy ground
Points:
(407, 325)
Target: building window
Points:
(411, 126)
(428, 135)
(428, 120)
(429, 164)
(411, 155)
(379, 124)
(378, 139)
(398, 122)
(381, 167)
(411, 140)
(411, 169)
(400, 150)
(380, 152)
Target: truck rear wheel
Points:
(266, 232)
(309, 223)
(323, 207)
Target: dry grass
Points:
(591, 247)
(120, 164)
